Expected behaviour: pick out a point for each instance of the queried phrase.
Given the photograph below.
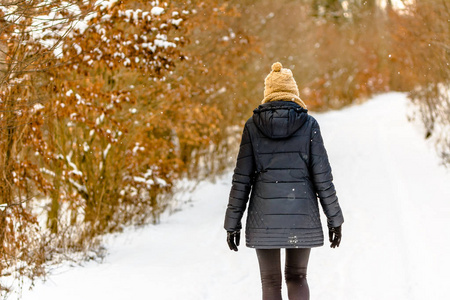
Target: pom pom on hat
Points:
(280, 85)
(276, 67)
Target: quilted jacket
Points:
(283, 166)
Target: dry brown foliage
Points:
(421, 51)
(96, 129)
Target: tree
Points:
(120, 103)
(424, 67)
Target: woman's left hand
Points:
(233, 238)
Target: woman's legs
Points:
(295, 273)
(270, 269)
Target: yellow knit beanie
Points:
(280, 85)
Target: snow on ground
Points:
(396, 201)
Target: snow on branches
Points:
(101, 111)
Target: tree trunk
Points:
(53, 214)
(6, 180)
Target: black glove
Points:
(335, 234)
(233, 238)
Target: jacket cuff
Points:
(336, 221)
(229, 226)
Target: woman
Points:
(283, 162)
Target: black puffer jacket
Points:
(283, 162)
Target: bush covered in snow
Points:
(103, 105)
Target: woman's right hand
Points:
(335, 234)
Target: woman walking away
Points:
(283, 162)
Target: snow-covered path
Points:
(396, 202)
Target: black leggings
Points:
(294, 272)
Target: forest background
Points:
(105, 105)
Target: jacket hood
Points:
(279, 119)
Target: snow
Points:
(76, 172)
(105, 3)
(86, 147)
(161, 182)
(48, 172)
(38, 106)
(394, 195)
(177, 22)
(105, 152)
(161, 41)
(79, 187)
(148, 182)
(100, 119)
(156, 11)
(398, 5)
